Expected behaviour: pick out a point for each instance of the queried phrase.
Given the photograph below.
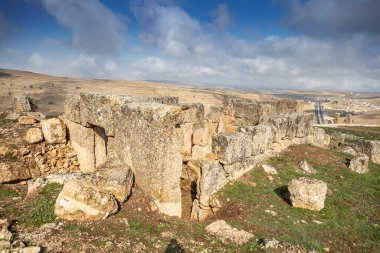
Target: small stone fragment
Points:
(225, 232)
(269, 169)
(304, 167)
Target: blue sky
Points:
(308, 44)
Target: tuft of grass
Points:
(41, 209)
(7, 194)
(76, 229)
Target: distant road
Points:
(319, 112)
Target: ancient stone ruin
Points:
(180, 157)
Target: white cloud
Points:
(95, 29)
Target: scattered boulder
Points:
(34, 135)
(319, 138)
(371, 149)
(359, 164)
(304, 167)
(81, 200)
(269, 169)
(54, 130)
(225, 232)
(26, 120)
(115, 179)
(307, 193)
(270, 243)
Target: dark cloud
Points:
(334, 18)
(95, 29)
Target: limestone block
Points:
(80, 200)
(192, 113)
(34, 135)
(232, 148)
(24, 104)
(72, 108)
(9, 173)
(359, 164)
(27, 120)
(203, 132)
(216, 113)
(262, 136)
(114, 178)
(290, 126)
(199, 152)
(212, 180)
(100, 146)
(371, 149)
(54, 130)
(187, 131)
(150, 142)
(318, 138)
(307, 193)
(83, 141)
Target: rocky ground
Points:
(256, 208)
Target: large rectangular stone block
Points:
(232, 148)
(150, 142)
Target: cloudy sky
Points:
(298, 44)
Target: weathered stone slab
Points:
(83, 141)
(262, 136)
(371, 149)
(27, 120)
(290, 126)
(232, 148)
(9, 173)
(80, 200)
(216, 113)
(150, 142)
(203, 132)
(199, 152)
(54, 130)
(72, 108)
(192, 113)
(187, 144)
(318, 138)
(24, 104)
(212, 180)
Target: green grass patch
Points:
(7, 194)
(5, 122)
(351, 209)
(369, 133)
(41, 209)
(76, 230)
